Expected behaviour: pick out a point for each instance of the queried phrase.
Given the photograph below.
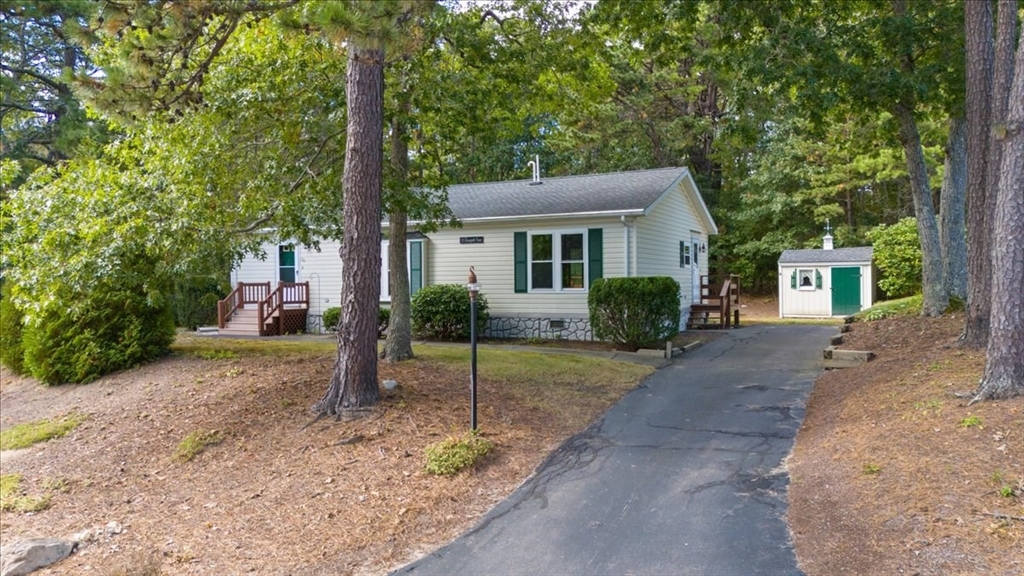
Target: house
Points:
(826, 282)
(536, 245)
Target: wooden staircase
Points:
(719, 305)
(254, 309)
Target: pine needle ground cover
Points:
(261, 493)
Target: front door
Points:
(845, 291)
(286, 263)
(695, 269)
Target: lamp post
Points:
(474, 289)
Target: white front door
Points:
(695, 269)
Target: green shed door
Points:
(845, 291)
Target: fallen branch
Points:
(1002, 516)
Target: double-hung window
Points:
(558, 260)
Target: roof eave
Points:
(560, 216)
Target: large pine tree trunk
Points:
(398, 346)
(935, 297)
(354, 381)
(1004, 369)
(951, 211)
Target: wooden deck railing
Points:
(244, 293)
(286, 294)
(727, 298)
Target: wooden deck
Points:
(719, 305)
(256, 309)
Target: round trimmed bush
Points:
(79, 341)
(441, 312)
(330, 318)
(634, 312)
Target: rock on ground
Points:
(26, 556)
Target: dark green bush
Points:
(194, 301)
(638, 312)
(441, 312)
(330, 318)
(897, 253)
(12, 354)
(82, 339)
(383, 320)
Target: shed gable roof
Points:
(593, 194)
(819, 256)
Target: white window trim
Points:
(556, 263)
(385, 285)
(799, 279)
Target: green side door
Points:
(845, 291)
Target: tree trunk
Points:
(935, 298)
(1004, 369)
(354, 381)
(951, 211)
(398, 345)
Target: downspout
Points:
(625, 246)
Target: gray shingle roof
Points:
(819, 256)
(619, 191)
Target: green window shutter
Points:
(792, 280)
(817, 279)
(415, 267)
(682, 251)
(595, 258)
(520, 262)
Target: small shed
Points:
(827, 282)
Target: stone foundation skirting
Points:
(515, 327)
(547, 328)
(315, 324)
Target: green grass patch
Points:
(25, 435)
(12, 498)
(451, 455)
(870, 469)
(196, 442)
(216, 354)
(222, 348)
(573, 388)
(971, 421)
(909, 306)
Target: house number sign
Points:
(471, 240)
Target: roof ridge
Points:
(570, 176)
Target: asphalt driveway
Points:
(683, 476)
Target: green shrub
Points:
(638, 312)
(383, 320)
(451, 455)
(441, 312)
(330, 318)
(81, 340)
(12, 355)
(194, 301)
(897, 253)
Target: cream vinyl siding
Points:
(252, 269)
(322, 269)
(448, 262)
(671, 220)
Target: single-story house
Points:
(536, 245)
(826, 282)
